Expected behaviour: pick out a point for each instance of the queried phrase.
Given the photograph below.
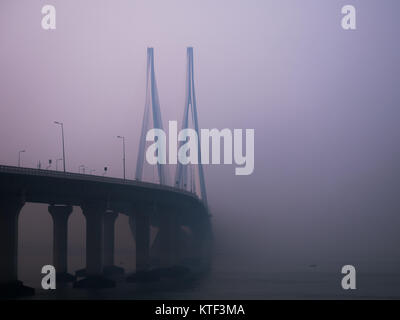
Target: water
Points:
(233, 281)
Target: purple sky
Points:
(324, 104)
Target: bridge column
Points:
(139, 221)
(202, 241)
(142, 230)
(109, 244)
(94, 213)
(169, 231)
(60, 215)
(10, 207)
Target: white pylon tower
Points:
(151, 109)
(185, 175)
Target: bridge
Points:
(180, 216)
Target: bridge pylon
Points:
(185, 177)
(152, 113)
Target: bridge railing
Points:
(89, 177)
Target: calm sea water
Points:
(232, 281)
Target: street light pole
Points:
(83, 168)
(62, 135)
(19, 157)
(123, 152)
(57, 163)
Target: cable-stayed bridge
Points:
(173, 207)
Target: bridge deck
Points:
(55, 187)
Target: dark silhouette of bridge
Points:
(181, 217)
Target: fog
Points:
(323, 103)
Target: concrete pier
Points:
(142, 231)
(10, 207)
(139, 221)
(168, 236)
(94, 213)
(202, 242)
(109, 244)
(60, 215)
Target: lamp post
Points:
(123, 152)
(19, 157)
(49, 166)
(62, 135)
(57, 163)
(83, 168)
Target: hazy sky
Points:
(324, 104)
